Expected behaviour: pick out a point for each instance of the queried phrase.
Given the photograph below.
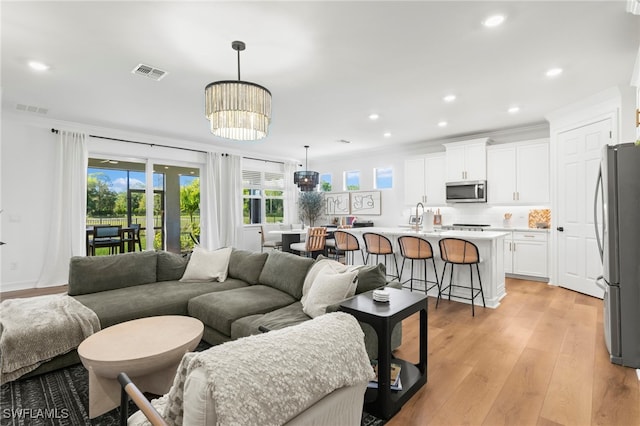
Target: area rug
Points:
(61, 398)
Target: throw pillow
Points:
(329, 287)
(371, 277)
(205, 265)
(320, 263)
(171, 266)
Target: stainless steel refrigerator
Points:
(617, 203)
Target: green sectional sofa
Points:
(262, 291)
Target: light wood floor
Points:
(538, 359)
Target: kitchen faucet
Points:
(417, 224)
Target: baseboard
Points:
(527, 277)
(17, 285)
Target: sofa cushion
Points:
(286, 272)
(161, 298)
(91, 274)
(274, 320)
(205, 265)
(246, 265)
(170, 266)
(221, 309)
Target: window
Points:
(325, 182)
(189, 211)
(263, 196)
(352, 180)
(383, 178)
(116, 196)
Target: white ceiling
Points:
(328, 65)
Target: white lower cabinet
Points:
(526, 254)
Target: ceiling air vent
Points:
(31, 108)
(149, 72)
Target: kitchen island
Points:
(490, 245)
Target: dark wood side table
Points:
(383, 317)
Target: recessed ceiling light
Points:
(493, 21)
(38, 66)
(442, 124)
(554, 72)
(373, 116)
(513, 109)
(387, 135)
(449, 98)
(166, 167)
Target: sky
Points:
(384, 178)
(118, 179)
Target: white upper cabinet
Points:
(518, 173)
(424, 180)
(414, 181)
(435, 169)
(466, 160)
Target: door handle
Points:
(560, 228)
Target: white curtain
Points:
(291, 194)
(221, 201)
(68, 214)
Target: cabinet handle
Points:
(513, 196)
(529, 236)
(518, 195)
(514, 246)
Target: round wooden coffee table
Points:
(147, 349)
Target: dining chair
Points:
(131, 237)
(314, 242)
(269, 243)
(106, 236)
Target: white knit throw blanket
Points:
(36, 329)
(270, 378)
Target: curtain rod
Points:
(166, 146)
(137, 142)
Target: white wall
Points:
(27, 164)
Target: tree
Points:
(101, 200)
(190, 198)
(326, 186)
(310, 206)
(121, 204)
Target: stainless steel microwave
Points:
(467, 192)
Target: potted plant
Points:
(310, 206)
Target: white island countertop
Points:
(490, 245)
(470, 235)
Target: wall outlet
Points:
(13, 266)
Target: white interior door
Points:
(579, 153)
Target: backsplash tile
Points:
(539, 216)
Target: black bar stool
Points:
(379, 245)
(416, 248)
(455, 251)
